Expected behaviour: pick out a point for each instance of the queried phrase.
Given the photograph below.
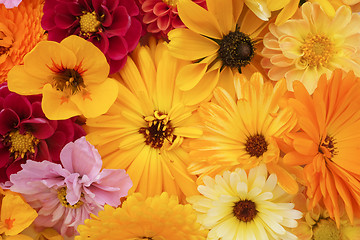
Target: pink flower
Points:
(65, 195)
(10, 3)
(161, 16)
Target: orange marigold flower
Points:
(20, 31)
(327, 143)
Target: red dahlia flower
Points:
(25, 132)
(161, 16)
(111, 25)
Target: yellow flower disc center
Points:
(89, 23)
(172, 3)
(20, 144)
(245, 210)
(326, 229)
(68, 79)
(159, 128)
(64, 202)
(317, 50)
(328, 147)
(256, 145)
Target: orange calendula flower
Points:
(327, 144)
(16, 214)
(144, 131)
(219, 39)
(71, 75)
(243, 132)
(20, 31)
(305, 47)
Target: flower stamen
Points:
(64, 202)
(68, 79)
(256, 145)
(21, 144)
(172, 3)
(159, 128)
(245, 210)
(89, 23)
(328, 147)
(317, 50)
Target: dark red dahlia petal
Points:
(86, 5)
(8, 120)
(18, 104)
(14, 167)
(55, 144)
(101, 41)
(131, 7)
(58, 34)
(39, 127)
(177, 23)
(98, 5)
(4, 91)
(4, 157)
(161, 9)
(63, 18)
(74, 8)
(42, 152)
(120, 23)
(3, 176)
(163, 22)
(118, 48)
(153, 28)
(37, 111)
(116, 65)
(111, 5)
(67, 127)
(107, 18)
(132, 36)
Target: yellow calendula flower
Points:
(243, 131)
(71, 75)
(305, 47)
(15, 215)
(160, 217)
(224, 39)
(144, 131)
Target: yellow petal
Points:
(259, 8)
(326, 6)
(22, 83)
(190, 132)
(187, 45)
(20, 237)
(222, 10)
(56, 105)
(274, 5)
(287, 12)
(89, 58)
(237, 9)
(98, 98)
(255, 27)
(198, 19)
(16, 214)
(285, 180)
(190, 75)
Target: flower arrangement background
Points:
(179, 119)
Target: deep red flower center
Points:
(21, 144)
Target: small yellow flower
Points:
(72, 76)
(16, 214)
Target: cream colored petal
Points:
(326, 6)
(259, 8)
(198, 19)
(188, 45)
(290, 47)
(222, 10)
(90, 59)
(341, 20)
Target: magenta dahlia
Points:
(25, 133)
(111, 25)
(161, 16)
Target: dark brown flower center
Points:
(4, 50)
(20, 144)
(256, 145)
(64, 202)
(68, 79)
(245, 210)
(159, 129)
(328, 147)
(236, 50)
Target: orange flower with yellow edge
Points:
(20, 31)
(242, 132)
(16, 215)
(224, 39)
(71, 75)
(327, 144)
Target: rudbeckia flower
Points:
(243, 132)
(158, 217)
(327, 144)
(20, 31)
(16, 215)
(112, 26)
(65, 194)
(242, 205)
(72, 76)
(225, 38)
(26, 133)
(305, 46)
(144, 131)
(161, 16)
